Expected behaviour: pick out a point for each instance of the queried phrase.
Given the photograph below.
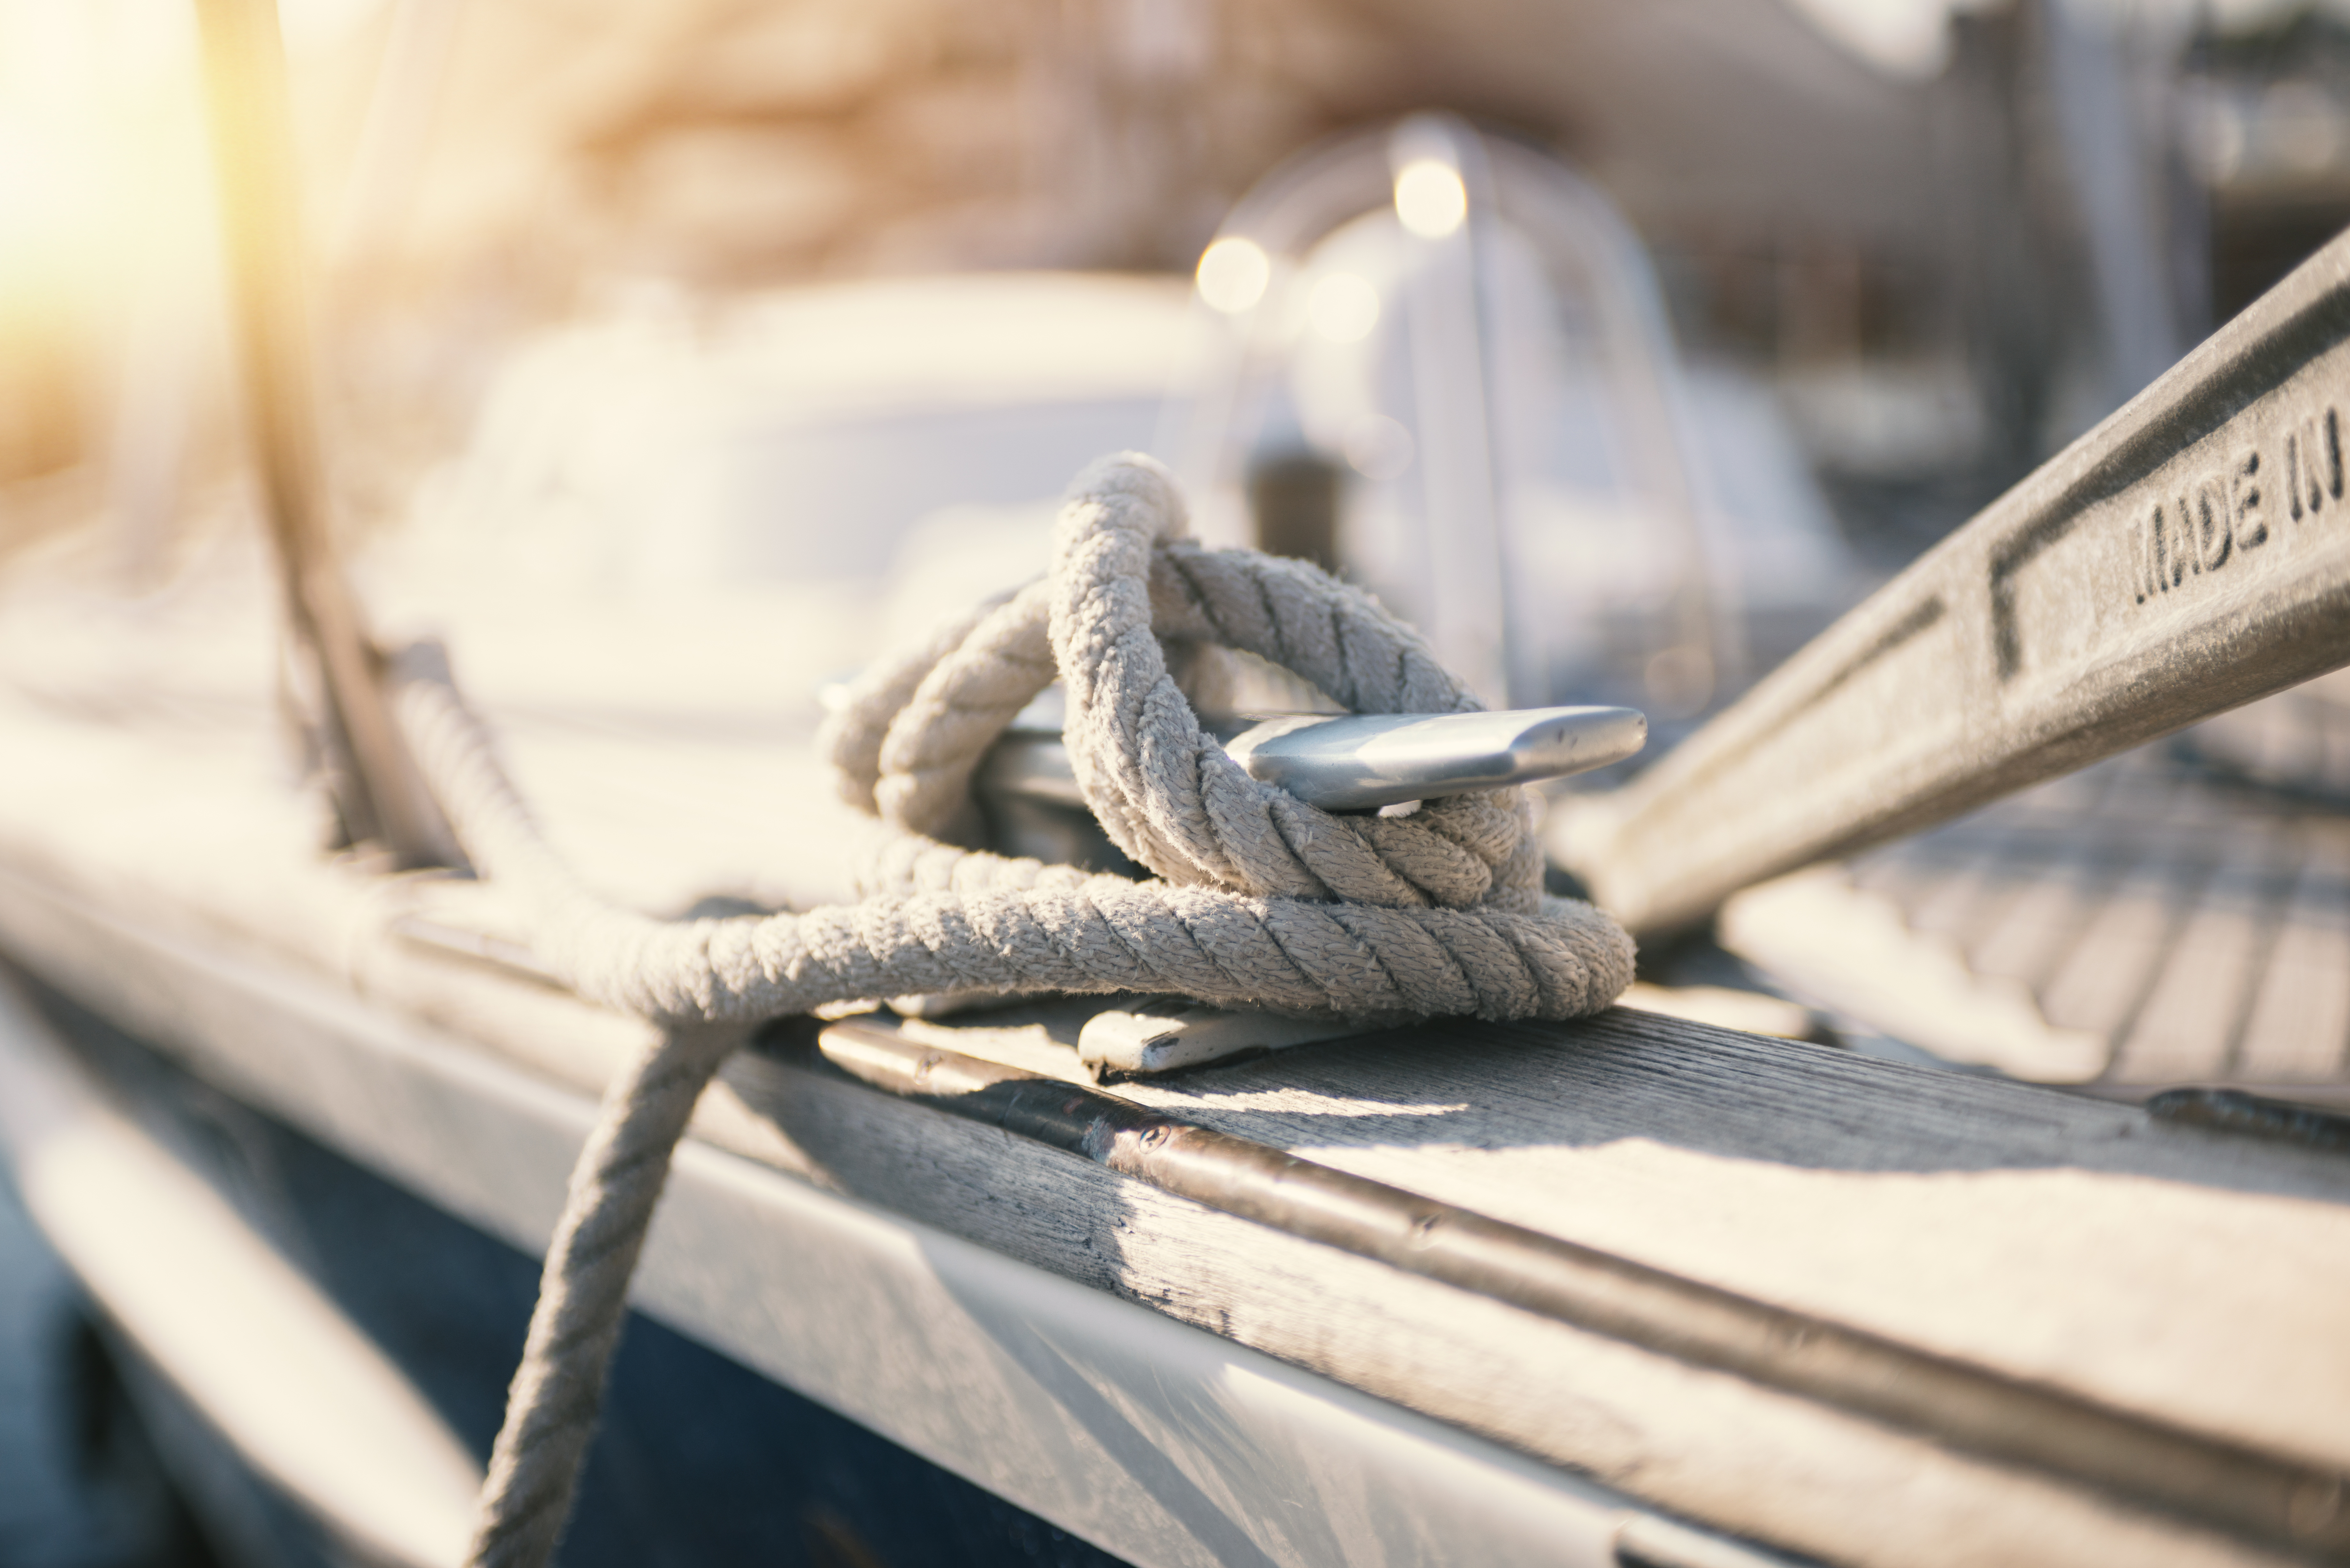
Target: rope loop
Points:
(1124, 579)
(1260, 900)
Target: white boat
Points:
(1632, 1290)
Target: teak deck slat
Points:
(2178, 922)
(2300, 1023)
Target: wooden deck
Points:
(2153, 922)
(2180, 1284)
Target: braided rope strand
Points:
(557, 1391)
(1260, 900)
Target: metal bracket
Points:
(2190, 553)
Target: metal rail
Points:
(2190, 553)
(2283, 1501)
(378, 790)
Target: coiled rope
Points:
(1260, 900)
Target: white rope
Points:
(1261, 901)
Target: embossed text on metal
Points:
(2190, 553)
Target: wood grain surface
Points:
(2194, 928)
(2182, 1274)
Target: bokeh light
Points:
(1233, 274)
(1430, 197)
(1343, 308)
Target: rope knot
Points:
(1260, 900)
(1264, 902)
(1124, 580)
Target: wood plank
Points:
(1852, 952)
(2104, 979)
(2144, 903)
(2300, 1025)
(1780, 1468)
(2206, 970)
(2036, 933)
(1970, 892)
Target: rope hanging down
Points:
(1261, 900)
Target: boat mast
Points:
(377, 788)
